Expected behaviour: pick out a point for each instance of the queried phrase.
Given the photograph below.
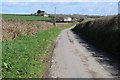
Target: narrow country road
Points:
(72, 59)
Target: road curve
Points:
(71, 59)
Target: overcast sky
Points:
(89, 7)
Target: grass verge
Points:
(25, 56)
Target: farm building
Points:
(45, 15)
(67, 19)
(63, 19)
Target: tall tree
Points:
(39, 11)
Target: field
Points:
(12, 28)
(26, 47)
(102, 32)
(24, 17)
(26, 56)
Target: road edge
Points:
(46, 73)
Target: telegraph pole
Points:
(55, 17)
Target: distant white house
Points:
(45, 15)
(67, 19)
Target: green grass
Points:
(24, 56)
(0, 60)
(23, 17)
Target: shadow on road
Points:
(109, 61)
